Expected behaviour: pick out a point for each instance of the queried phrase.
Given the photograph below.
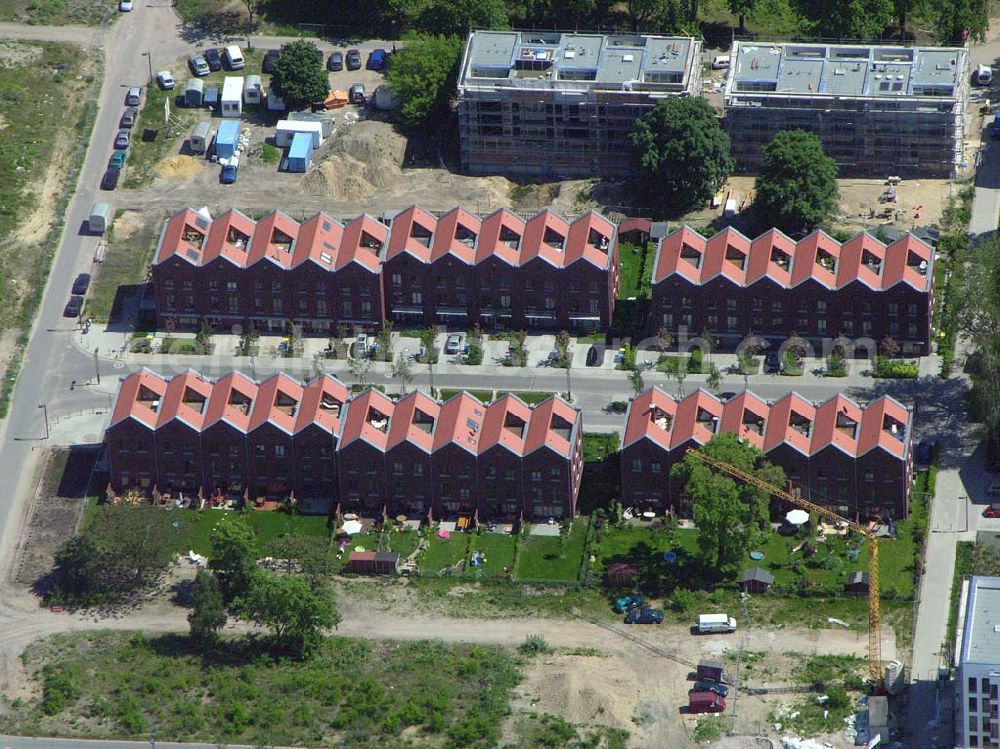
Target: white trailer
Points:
(231, 103)
(286, 130)
(252, 91)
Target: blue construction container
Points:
(300, 152)
(227, 138)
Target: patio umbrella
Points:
(443, 534)
(401, 518)
(797, 517)
(351, 527)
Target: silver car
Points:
(123, 138)
(198, 65)
(453, 344)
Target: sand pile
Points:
(178, 167)
(365, 157)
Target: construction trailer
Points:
(538, 103)
(231, 102)
(227, 139)
(253, 92)
(285, 130)
(201, 137)
(194, 92)
(878, 110)
(323, 118)
(299, 153)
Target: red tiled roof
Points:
(773, 256)
(200, 402)
(791, 420)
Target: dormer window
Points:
(514, 424)
(509, 237)
(913, 260)
(377, 419)
(423, 421)
(238, 239)
(280, 239)
(661, 419)
(560, 426)
(872, 262)
(421, 233)
(465, 235)
(554, 239)
(598, 240)
(149, 398)
(331, 404)
(894, 427)
(240, 401)
(846, 425)
(285, 403)
(369, 242)
(826, 261)
(193, 236)
(753, 422)
(707, 419)
(691, 255)
(736, 257)
(780, 258)
(193, 399)
(800, 423)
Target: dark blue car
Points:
(376, 60)
(627, 603)
(644, 616)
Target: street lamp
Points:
(45, 411)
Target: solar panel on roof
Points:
(473, 425)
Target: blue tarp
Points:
(300, 152)
(226, 138)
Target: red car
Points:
(993, 511)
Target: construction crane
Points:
(874, 612)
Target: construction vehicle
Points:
(874, 611)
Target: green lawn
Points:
(635, 270)
(403, 543)
(59, 12)
(443, 552)
(353, 692)
(530, 397)
(545, 557)
(483, 396)
(499, 550)
(598, 446)
(268, 526)
(126, 263)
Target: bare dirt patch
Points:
(179, 167)
(128, 223)
(16, 53)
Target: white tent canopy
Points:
(351, 527)
(797, 517)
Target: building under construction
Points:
(561, 105)
(879, 110)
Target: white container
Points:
(231, 102)
(253, 93)
(286, 130)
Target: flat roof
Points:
(843, 70)
(579, 61)
(981, 632)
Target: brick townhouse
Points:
(236, 437)
(501, 271)
(773, 286)
(233, 270)
(854, 459)
(503, 461)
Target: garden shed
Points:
(857, 584)
(756, 580)
(373, 562)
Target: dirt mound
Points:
(365, 157)
(340, 177)
(178, 167)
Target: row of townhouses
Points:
(538, 103)
(542, 273)
(235, 437)
(370, 454)
(854, 459)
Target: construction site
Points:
(877, 110)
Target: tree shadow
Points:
(217, 27)
(658, 577)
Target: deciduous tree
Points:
(961, 20)
(682, 153)
(292, 608)
(731, 516)
(422, 76)
(234, 555)
(458, 17)
(299, 77)
(208, 615)
(797, 185)
(846, 19)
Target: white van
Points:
(715, 623)
(720, 62)
(233, 57)
(983, 75)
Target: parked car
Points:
(199, 65)
(356, 95)
(593, 356)
(627, 603)
(125, 6)
(73, 307)
(110, 179)
(772, 362)
(720, 62)
(81, 284)
(133, 96)
(335, 61)
(925, 451)
(214, 59)
(353, 59)
(165, 80)
(453, 344)
(644, 616)
(118, 159)
(229, 172)
(710, 686)
(993, 511)
(376, 59)
(270, 60)
(994, 490)
(128, 119)
(123, 138)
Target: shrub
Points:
(618, 407)
(59, 688)
(534, 645)
(896, 369)
(682, 601)
(838, 698)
